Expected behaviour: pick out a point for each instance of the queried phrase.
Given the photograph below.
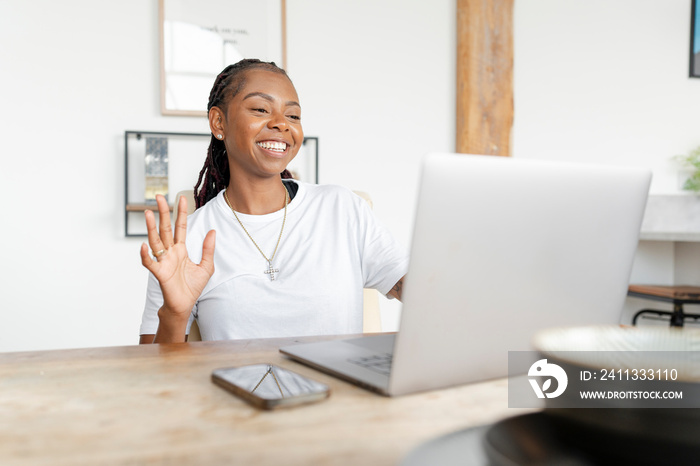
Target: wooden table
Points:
(156, 404)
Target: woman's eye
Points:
(260, 110)
(295, 117)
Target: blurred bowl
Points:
(624, 347)
(643, 435)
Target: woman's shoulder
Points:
(203, 216)
(335, 199)
(329, 191)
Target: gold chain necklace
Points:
(270, 270)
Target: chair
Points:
(677, 295)
(371, 317)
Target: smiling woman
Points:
(263, 255)
(261, 128)
(226, 112)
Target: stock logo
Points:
(543, 369)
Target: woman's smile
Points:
(274, 148)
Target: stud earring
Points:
(220, 136)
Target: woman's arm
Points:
(397, 289)
(148, 338)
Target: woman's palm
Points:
(181, 280)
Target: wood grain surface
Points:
(156, 404)
(484, 76)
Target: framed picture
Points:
(199, 38)
(695, 39)
(304, 167)
(158, 163)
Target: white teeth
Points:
(273, 145)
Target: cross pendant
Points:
(271, 271)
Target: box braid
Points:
(215, 175)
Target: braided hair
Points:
(215, 174)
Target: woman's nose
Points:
(278, 121)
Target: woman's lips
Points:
(278, 147)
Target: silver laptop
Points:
(501, 248)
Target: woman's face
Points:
(262, 125)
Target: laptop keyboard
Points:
(380, 363)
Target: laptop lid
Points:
(504, 247)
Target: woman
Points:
(263, 255)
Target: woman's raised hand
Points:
(181, 280)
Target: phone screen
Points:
(268, 386)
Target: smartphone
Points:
(267, 386)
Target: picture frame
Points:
(694, 71)
(199, 38)
(184, 155)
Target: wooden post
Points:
(484, 76)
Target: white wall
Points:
(606, 82)
(594, 80)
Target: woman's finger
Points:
(153, 238)
(146, 258)
(181, 220)
(166, 228)
(208, 246)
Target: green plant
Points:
(692, 162)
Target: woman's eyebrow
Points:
(269, 98)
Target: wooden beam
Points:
(484, 76)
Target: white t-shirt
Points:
(332, 247)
